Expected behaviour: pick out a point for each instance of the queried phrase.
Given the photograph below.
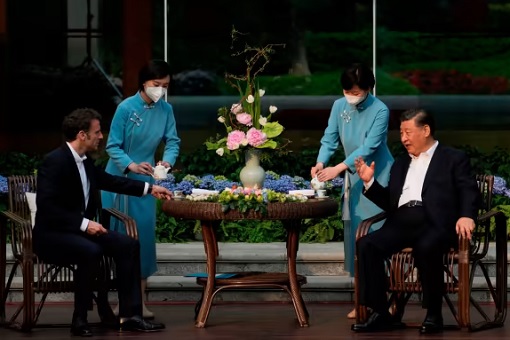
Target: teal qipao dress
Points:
(136, 131)
(362, 130)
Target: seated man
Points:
(431, 197)
(68, 185)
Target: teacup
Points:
(178, 194)
(321, 193)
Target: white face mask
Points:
(354, 100)
(155, 92)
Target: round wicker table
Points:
(211, 214)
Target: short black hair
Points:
(422, 116)
(358, 74)
(78, 120)
(154, 69)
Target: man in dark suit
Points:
(68, 185)
(431, 199)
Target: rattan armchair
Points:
(460, 266)
(40, 277)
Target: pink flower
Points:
(235, 139)
(255, 137)
(244, 118)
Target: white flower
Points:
(221, 119)
(261, 92)
(220, 151)
(250, 99)
(244, 142)
(273, 109)
(262, 121)
(236, 108)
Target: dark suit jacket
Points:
(60, 200)
(449, 191)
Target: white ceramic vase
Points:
(252, 175)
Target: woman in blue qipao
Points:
(140, 124)
(359, 121)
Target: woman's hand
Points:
(331, 172)
(165, 164)
(315, 169)
(143, 168)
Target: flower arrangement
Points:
(232, 196)
(247, 127)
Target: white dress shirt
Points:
(415, 177)
(84, 182)
(413, 184)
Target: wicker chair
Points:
(39, 277)
(459, 267)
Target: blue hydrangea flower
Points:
(3, 185)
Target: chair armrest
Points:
(365, 225)
(128, 222)
(21, 234)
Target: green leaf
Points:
(272, 129)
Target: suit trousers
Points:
(86, 251)
(407, 227)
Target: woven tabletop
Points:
(210, 211)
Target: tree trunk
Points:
(299, 60)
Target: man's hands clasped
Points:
(95, 229)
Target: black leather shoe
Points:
(138, 324)
(433, 323)
(378, 323)
(80, 327)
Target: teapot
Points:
(316, 184)
(160, 172)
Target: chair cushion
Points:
(31, 205)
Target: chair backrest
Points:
(480, 239)
(485, 185)
(18, 186)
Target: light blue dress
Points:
(136, 132)
(362, 130)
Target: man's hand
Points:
(465, 227)
(365, 172)
(161, 192)
(96, 229)
(318, 167)
(143, 168)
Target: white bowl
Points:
(305, 192)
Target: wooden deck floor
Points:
(249, 321)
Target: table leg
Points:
(3, 264)
(295, 289)
(211, 251)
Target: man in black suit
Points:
(431, 200)
(68, 185)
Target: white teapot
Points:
(316, 184)
(160, 172)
